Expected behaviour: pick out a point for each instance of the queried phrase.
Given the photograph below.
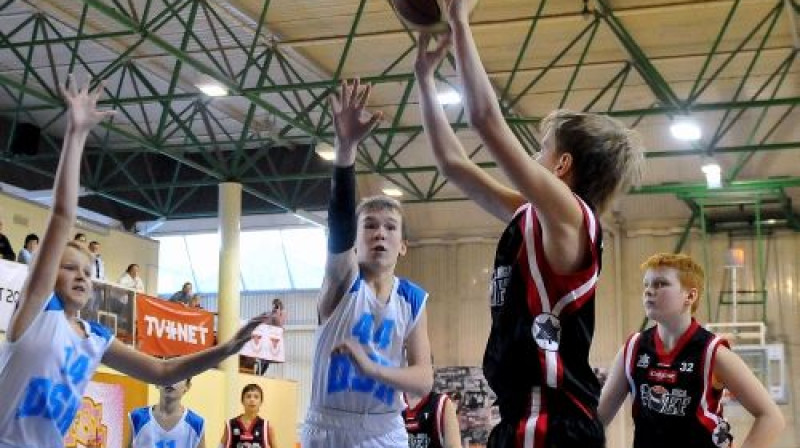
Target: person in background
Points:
(194, 302)
(26, 253)
(168, 424)
(80, 238)
(5, 246)
(249, 430)
(431, 421)
(184, 295)
(130, 279)
(98, 268)
(279, 316)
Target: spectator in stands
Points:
(278, 316)
(194, 302)
(184, 295)
(80, 238)
(5, 246)
(98, 268)
(130, 279)
(26, 253)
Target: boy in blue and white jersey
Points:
(372, 343)
(168, 424)
(50, 353)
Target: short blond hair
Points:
(690, 273)
(381, 202)
(606, 155)
(80, 248)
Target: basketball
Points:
(425, 15)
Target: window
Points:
(270, 260)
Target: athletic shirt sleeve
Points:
(195, 422)
(138, 418)
(101, 332)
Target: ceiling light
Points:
(325, 151)
(713, 174)
(685, 130)
(448, 98)
(212, 89)
(393, 192)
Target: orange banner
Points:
(169, 329)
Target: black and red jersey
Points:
(253, 435)
(675, 402)
(425, 422)
(537, 356)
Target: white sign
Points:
(266, 342)
(12, 276)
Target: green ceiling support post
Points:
(589, 40)
(661, 89)
(391, 157)
(262, 18)
(395, 122)
(399, 59)
(176, 71)
(772, 13)
(713, 51)
(521, 54)
(102, 157)
(251, 110)
(549, 66)
(717, 136)
(81, 24)
(618, 80)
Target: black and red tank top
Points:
(537, 356)
(675, 402)
(425, 421)
(253, 435)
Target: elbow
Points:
(482, 117)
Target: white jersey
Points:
(43, 375)
(382, 330)
(147, 433)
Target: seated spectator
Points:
(130, 279)
(194, 302)
(5, 246)
(184, 295)
(26, 253)
(80, 237)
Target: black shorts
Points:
(563, 431)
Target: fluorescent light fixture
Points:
(713, 174)
(393, 192)
(449, 97)
(212, 89)
(685, 130)
(325, 151)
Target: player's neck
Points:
(381, 283)
(248, 417)
(671, 330)
(169, 408)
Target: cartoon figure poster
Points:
(99, 422)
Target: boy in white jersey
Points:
(168, 424)
(50, 353)
(372, 342)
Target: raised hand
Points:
(82, 105)
(243, 335)
(458, 10)
(347, 105)
(427, 61)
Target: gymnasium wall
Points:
(118, 249)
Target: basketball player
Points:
(431, 421)
(168, 424)
(249, 430)
(50, 353)
(369, 319)
(676, 370)
(548, 259)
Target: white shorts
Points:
(337, 429)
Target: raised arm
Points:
(535, 183)
(351, 127)
(450, 156)
(614, 390)
(736, 376)
(82, 116)
(165, 372)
